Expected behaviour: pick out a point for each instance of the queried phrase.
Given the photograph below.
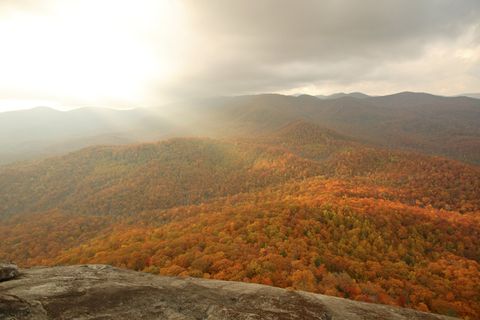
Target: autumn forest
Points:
(295, 205)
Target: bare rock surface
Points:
(103, 292)
(8, 271)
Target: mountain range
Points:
(446, 126)
(374, 199)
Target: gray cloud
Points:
(275, 45)
(219, 47)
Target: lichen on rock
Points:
(8, 271)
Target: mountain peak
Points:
(304, 132)
(356, 95)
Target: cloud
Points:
(277, 45)
(189, 48)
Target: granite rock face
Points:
(104, 292)
(8, 271)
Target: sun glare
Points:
(88, 51)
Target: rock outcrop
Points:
(104, 292)
(8, 271)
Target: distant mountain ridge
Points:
(446, 126)
(357, 95)
(471, 95)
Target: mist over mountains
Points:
(445, 126)
(472, 95)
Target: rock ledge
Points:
(104, 292)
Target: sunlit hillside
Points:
(301, 207)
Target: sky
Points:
(140, 53)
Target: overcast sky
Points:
(69, 53)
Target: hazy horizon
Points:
(58, 107)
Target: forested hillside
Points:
(446, 126)
(301, 206)
(129, 179)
